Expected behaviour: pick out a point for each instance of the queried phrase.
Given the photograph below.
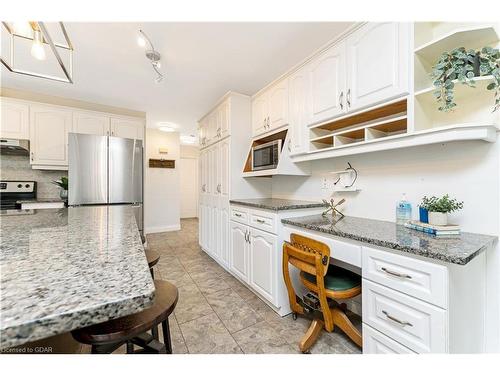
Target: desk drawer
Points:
(424, 280)
(375, 342)
(239, 214)
(263, 220)
(417, 325)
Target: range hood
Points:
(14, 147)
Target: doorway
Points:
(189, 187)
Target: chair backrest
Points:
(307, 254)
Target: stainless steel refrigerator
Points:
(106, 170)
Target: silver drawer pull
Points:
(396, 319)
(397, 274)
(237, 215)
(260, 221)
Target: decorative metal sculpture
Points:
(332, 207)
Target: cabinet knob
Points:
(32, 156)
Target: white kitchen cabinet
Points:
(91, 123)
(327, 84)
(49, 128)
(378, 63)
(239, 251)
(224, 240)
(223, 120)
(224, 164)
(15, 120)
(202, 132)
(211, 133)
(127, 128)
(298, 89)
(263, 253)
(270, 108)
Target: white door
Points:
(277, 98)
(127, 128)
(90, 123)
(188, 175)
(15, 120)
(298, 86)
(259, 114)
(224, 169)
(262, 253)
(327, 80)
(224, 119)
(239, 250)
(378, 59)
(49, 128)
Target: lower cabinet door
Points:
(224, 234)
(239, 250)
(263, 272)
(375, 342)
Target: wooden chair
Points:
(132, 329)
(152, 257)
(328, 282)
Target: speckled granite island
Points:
(459, 250)
(62, 269)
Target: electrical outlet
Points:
(324, 183)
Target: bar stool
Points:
(132, 329)
(152, 257)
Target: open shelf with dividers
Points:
(375, 123)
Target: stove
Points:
(13, 191)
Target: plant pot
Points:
(63, 194)
(423, 215)
(438, 218)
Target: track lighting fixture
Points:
(151, 54)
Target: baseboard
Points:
(166, 228)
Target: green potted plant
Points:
(463, 66)
(63, 184)
(440, 207)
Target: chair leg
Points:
(152, 273)
(154, 332)
(130, 347)
(341, 320)
(311, 335)
(166, 336)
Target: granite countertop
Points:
(62, 269)
(276, 204)
(458, 250)
(40, 200)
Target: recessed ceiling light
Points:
(167, 129)
(188, 139)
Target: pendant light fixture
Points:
(41, 40)
(151, 54)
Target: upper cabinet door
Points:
(298, 88)
(49, 128)
(277, 98)
(259, 114)
(202, 132)
(211, 130)
(223, 114)
(127, 128)
(90, 123)
(327, 81)
(15, 120)
(378, 59)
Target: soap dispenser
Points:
(403, 211)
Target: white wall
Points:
(161, 185)
(468, 171)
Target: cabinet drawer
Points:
(417, 325)
(263, 220)
(417, 278)
(375, 342)
(239, 214)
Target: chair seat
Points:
(336, 279)
(130, 326)
(152, 257)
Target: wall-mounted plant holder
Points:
(346, 179)
(161, 163)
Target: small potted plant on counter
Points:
(438, 208)
(63, 184)
(423, 210)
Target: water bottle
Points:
(403, 211)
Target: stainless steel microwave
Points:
(266, 156)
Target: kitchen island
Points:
(63, 269)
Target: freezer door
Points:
(125, 170)
(87, 169)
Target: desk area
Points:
(417, 290)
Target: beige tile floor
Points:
(218, 314)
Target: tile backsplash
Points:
(14, 167)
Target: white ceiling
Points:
(201, 62)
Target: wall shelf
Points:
(465, 36)
(480, 82)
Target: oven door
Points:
(266, 156)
